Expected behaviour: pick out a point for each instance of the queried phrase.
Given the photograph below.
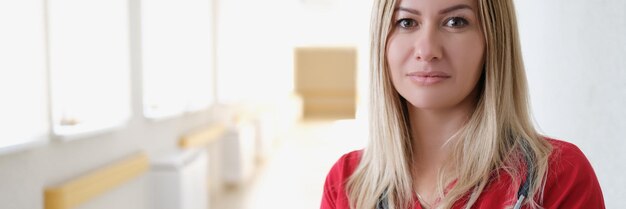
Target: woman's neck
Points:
(430, 131)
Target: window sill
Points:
(86, 131)
(157, 116)
(18, 147)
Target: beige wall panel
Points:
(326, 79)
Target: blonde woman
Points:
(449, 118)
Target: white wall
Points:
(25, 174)
(574, 55)
(255, 41)
(254, 57)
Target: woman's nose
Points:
(427, 45)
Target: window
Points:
(23, 107)
(177, 56)
(89, 65)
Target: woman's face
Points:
(435, 51)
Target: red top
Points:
(571, 183)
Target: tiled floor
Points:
(294, 175)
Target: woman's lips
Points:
(425, 78)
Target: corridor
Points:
(294, 175)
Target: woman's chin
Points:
(426, 104)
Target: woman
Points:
(449, 118)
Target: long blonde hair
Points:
(499, 135)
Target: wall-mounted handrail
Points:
(82, 189)
(203, 137)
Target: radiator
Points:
(179, 180)
(238, 153)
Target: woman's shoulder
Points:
(350, 159)
(334, 196)
(567, 157)
(345, 165)
(560, 148)
(571, 181)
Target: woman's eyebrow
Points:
(443, 11)
(415, 12)
(455, 7)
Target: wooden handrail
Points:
(203, 137)
(75, 192)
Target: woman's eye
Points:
(406, 23)
(456, 22)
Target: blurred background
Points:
(242, 104)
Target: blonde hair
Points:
(499, 135)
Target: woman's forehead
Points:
(435, 6)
